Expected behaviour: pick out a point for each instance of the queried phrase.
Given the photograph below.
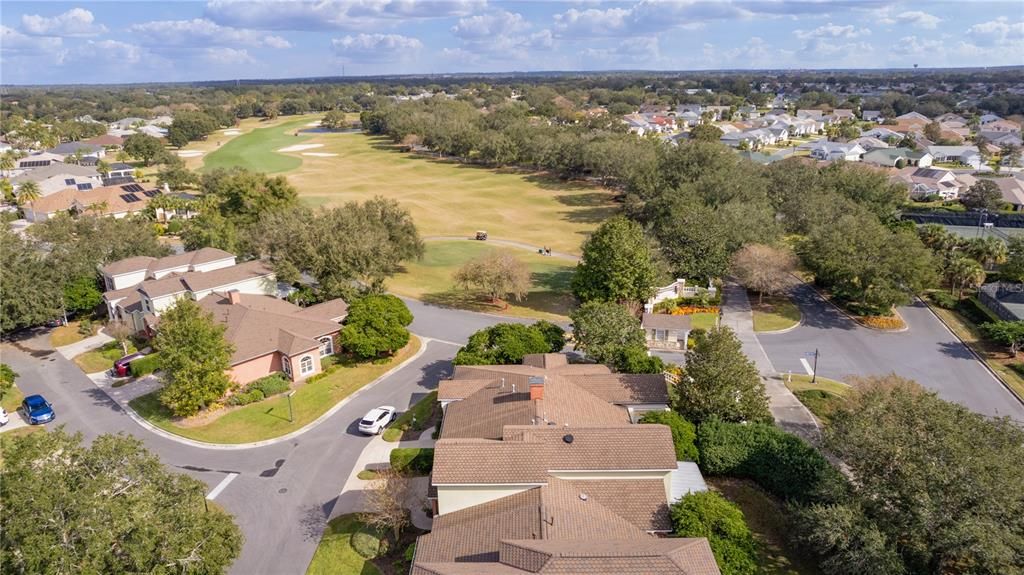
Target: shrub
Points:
(781, 463)
(412, 460)
(145, 365)
(366, 542)
(708, 514)
(271, 384)
(1018, 367)
(883, 321)
(973, 310)
(410, 553)
(684, 433)
(943, 299)
(246, 397)
(85, 327)
(174, 227)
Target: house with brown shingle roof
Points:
(269, 334)
(539, 469)
(116, 201)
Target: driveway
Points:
(281, 495)
(927, 353)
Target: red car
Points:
(120, 368)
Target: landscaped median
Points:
(773, 313)
(270, 418)
(822, 397)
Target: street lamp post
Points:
(291, 415)
(982, 216)
(814, 376)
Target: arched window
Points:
(306, 365)
(326, 346)
(286, 366)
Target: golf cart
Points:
(481, 235)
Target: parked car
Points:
(3, 417)
(37, 409)
(121, 369)
(56, 322)
(374, 422)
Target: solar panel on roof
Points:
(69, 181)
(129, 198)
(132, 188)
(151, 193)
(34, 164)
(84, 187)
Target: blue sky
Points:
(104, 42)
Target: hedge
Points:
(973, 310)
(709, 514)
(412, 460)
(684, 433)
(781, 463)
(271, 384)
(145, 365)
(246, 397)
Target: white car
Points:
(377, 419)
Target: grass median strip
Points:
(822, 397)
(774, 313)
(420, 413)
(269, 418)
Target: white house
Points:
(837, 151)
(966, 155)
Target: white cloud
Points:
(996, 32)
(639, 50)
(332, 14)
(376, 47)
(593, 22)
(918, 19)
(14, 42)
(831, 30)
(490, 24)
(914, 46)
(74, 22)
(223, 56)
(200, 32)
(104, 52)
(277, 42)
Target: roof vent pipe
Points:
(568, 438)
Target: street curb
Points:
(846, 314)
(425, 341)
(976, 355)
(781, 331)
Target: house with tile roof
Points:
(922, 182)
(269, 334)
(115, 201)
(538, 469)
(56, 176)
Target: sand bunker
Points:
(232, 132)
(314, 124)
(300, 147)
(319, 154)
(189, 153)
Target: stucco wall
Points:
(453, 498)
(255, 368)
(127, 280)
(260, 286)
(216, 265)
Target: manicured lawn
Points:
(703, 320)
(451, 199)
(419, 412)
(68, 334)
(774, 313)
(430, 280)
(996, 357)
(13, 434)
(335, 555)
(102, 358)
(822, 397)
(269, 418)
(12, 400)
(256, 150)
(766, 518)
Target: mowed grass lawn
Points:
(68, 334)
(430, 280)
(822, 397)
(257, 149)
(335, 554)
(269, 418)
(451, 199)
(774, 313)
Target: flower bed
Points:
(692, 309)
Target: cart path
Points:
(509, 243)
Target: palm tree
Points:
(28, 192)
(988, 251)
(103, 167)
(97, 207)
(964, 272)
(7, 163)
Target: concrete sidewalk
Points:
(787, 410)
(377, 455)
(80, 347)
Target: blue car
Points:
(38, 409)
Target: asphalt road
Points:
(283, 493)
(927, 353)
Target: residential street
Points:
(927, 353)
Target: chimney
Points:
(536, 387)
(167, 189)
(235, 297)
